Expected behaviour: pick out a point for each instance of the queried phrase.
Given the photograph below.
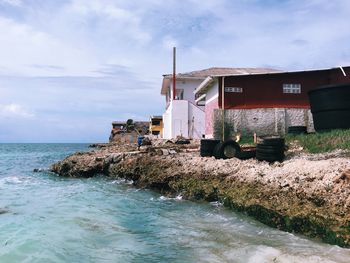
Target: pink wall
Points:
(209, 112)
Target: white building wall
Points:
(212, 93)
(188, 85)
(183, 118)
(196, 122)
(179, 116)
(167, 123)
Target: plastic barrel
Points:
(207, 147)
(139, 140)
(330, 107)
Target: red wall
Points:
(267, 90)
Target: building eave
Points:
(165, 86)
(204, 86)
(200, 98)
(168, 79)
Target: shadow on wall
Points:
(222, 126)
(272, 121)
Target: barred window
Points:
(292, 88)
(233, 89)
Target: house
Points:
(185, 114)
(156, 125)
(124, 132)
(263, 102)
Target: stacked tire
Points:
(271, 149)
(207, 147)
(297, 130)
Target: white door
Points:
(177, 128)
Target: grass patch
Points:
(247, 140)
(323, 141)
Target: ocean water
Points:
(51, 219)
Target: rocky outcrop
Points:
(308, 194)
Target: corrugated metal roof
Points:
(286, 72)
(223, 71)
(215, 71)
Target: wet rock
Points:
(38, 170)
(146, 141)
(345, 175)
(171, 151)
(306, 194)
(98, 145)
(4, 211)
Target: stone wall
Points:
(266, 121)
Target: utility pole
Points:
(223, 107)
(174, 73)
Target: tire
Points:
(207, 147)
(297, 130)
(217, 150)
(270, 153)
(273, 140)
(274, 151)
(244, 155)
(227, 150)
(263, 147)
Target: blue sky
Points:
(69, 68)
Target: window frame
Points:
(179, 94)
(291, 88)
(234, 89)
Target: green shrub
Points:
(247, 140)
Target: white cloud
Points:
(22, 46)
(126, 21)
(169, 42)
(14, 110)
(12, 2)
(88, 7)
(95, 61)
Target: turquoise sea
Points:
(46, 218)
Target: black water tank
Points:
(207, 147)
(330, 107)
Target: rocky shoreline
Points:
(308, 194)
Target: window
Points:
(179, 94)
(233, 89)
(292, 88)
(156, 122)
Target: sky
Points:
(68, 68)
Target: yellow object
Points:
(156, 125)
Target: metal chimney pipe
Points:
(174, 73)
